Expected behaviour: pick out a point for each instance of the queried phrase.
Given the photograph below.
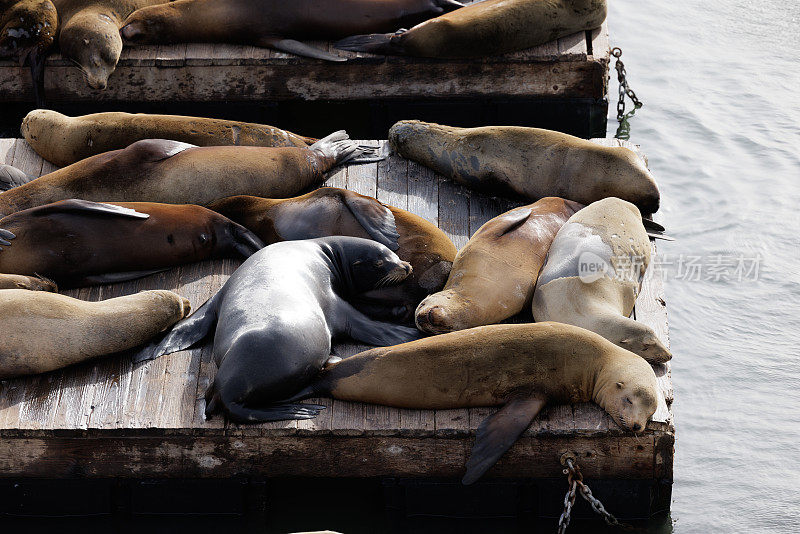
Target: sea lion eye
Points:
(379, 263)
(619, 385)
(628, 400)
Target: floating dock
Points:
(561, 85)
(110, 420)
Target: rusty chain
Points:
(624, 129)
(576, 485)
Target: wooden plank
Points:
(601, 50)
(573, 46)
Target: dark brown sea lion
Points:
(486, 28)
(89, 34)
(531, 162)
(157, 170)
(274, 23)
(274, 318)
(63, 140)
(27, 31)
(32, 283)
(46, 331)
(594, 273)
(494, 275)
(331, 211)
(522, 367)
(78, 243)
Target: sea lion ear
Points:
(511, 221)
(620, 385)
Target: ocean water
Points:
(720, 82)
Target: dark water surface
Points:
(720, 80)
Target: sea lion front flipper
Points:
(498, 432)
(374, 43)
(296, 47)
(185, 333)
(113, 278)
(11, 177)
(511, 221)
(655, 230)
(361, 328)
(100, 208)
(245, 242)
(375, 218)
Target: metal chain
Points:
(576, 485)
(624, 129)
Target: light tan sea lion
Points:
(63, 140)
(31, 283)
(27, 31)
(494, 275)
(593, 274)
(157, 170)
(89, 34)
(79, 243)
(531, 162)
(47, 331)
(331, 211)
(522, 367)
(486, 28)
(275, 23)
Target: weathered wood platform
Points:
(561, 85)
(110, 418)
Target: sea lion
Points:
(486, 28)
(27, 31)
(275, 317)
(89, 34)
(331, 211)
(494, 275)
(531, 162)
(46, 331)
(11, 177)
(158, 170)
(78, 242)
(521, 367)
(593, 274)
(273, 23)
(31, 283)
(63, 140)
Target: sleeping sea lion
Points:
(521, 367)
(593, 274)
(486, 28)
(331, 211)
(276, 315)
(158, 170)
(27, 31)
(32, 283)
(46, 331)
(11, 177)
(494, 275)
(273, 23)
(63, 140)
(78, 242)
(89, 34)
(531, 162)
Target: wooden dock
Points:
(110, 419)
(559, 85)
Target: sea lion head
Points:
(627, 389)
(444, 312)
(366, 265)
(92, 41)
(640, 339)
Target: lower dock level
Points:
(137, 429)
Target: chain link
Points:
(624, 129)
(576, 485)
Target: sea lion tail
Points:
(184, 334)
(11, 177)
(373, 43)
(338, 146)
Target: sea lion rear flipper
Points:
(497, 434)
(87, 206)
(373, 43)
(113, 278)
(11, 177)
(375, 218)
(185, 333)
(279, 412)
(296, 47)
